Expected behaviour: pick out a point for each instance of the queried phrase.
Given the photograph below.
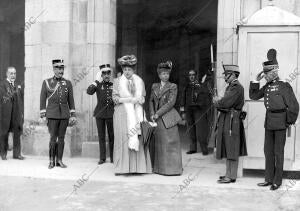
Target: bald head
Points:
(11, 74)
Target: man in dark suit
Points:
(59, 112)
(195, 102)
(11, 109)
(230, 140)
(282, 110)
(104, 110)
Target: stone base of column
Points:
(36, 142)
(91, 149)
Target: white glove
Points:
(98, 76)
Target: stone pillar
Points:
(47, 37)
(101, 41)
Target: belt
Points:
(277, 111)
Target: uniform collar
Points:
(234, 81)
(58, 79)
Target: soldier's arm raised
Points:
(92, 88)
(255, 93)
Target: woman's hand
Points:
(154, 117)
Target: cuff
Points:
(94, 83)
(182, 108)
(43, 113)
(73, 113)
(255, 81)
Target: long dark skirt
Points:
(166, 150)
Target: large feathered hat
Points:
(128, 60)
(164, 67)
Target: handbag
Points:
(171, 118)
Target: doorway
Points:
(12, 44)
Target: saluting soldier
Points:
(104, 110)
(282, 110)
(59, 112)
(230, 139)
(195, 104)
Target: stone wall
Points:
(82, 32)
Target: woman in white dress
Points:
(129, 95)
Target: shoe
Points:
(274, 187)
(101, 162)
(264, 184)
(112, 161)
(222, 177)
(205, 153)
(61, 164)
(191, 152)
(3, 157)
(20, 157)
(226, 180)
(51, 165)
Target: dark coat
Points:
(61, 102)
(11, 101)
(281, 104)
(231, 140)
(105, 105)
(196, 94)
(162, 102)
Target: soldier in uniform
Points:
(104, 110)
(59, 112)
(281, 111)
(11, 114)
(230, 138)
(195, 104)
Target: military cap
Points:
(270, 65)
(58, 63)
(128, 60)
(231, 69)
(105, 68)
(164, 67)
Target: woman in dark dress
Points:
(166, 147)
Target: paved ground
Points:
(29, 185)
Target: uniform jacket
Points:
(105, 105)
(231, 141)
(196, 94)
(282, 107)
(59, 94)
(162, 103)
(9, 97)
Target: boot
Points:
(51, 155)
(60, 151)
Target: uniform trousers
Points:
(274, 155)
(231, 168)
(57, 129)
(198, 127)
(101, 134)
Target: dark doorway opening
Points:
(159, 30)
(12, 44)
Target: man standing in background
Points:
(195, 103)
(11, 109)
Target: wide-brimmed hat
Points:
(128, 60)
(164, 67)
(229, 68)
(58, 63)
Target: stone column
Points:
(101, 41)
(47, 37)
